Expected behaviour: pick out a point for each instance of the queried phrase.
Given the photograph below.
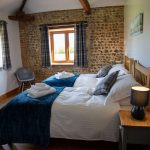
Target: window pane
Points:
(71, 46)
(1, 62)
(59, 47)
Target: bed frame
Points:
(140, 73)
(129, 64)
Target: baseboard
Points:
(10, 93)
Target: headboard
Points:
(141, 74)
(128, 64)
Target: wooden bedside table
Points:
(133, 131)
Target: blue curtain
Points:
(45, 54)
(5, 46)
(80, 45)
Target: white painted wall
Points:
(8, 81)
(138, 47)
(36, 6)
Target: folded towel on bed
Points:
(40, 84)
(40, 88)
(61, 75)
(36, 94)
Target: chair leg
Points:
(30, 83)
(19, 88)
(22, 86)
(25, 85)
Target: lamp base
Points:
(137, 112)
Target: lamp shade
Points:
(139, 96)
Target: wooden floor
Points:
(72, 145)
(62, 144)
(5, 100)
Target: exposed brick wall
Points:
(105, 37)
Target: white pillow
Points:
(121, 89)
(117, 67)
(85, 81)
(125, 101)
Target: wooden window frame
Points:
(66, 33)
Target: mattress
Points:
(76, 114)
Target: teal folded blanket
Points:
(27, 120)
(65, 82)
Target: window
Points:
(62, 46)
(1, 61)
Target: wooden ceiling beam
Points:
(22, 5)
(22, 18)
(86, 6)
(20, 14)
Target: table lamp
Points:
(139, 99)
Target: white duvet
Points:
(76, 114)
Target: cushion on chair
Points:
(24, 74)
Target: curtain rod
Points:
(63, 24)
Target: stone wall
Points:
(105, 38)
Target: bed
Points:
(71, 116)
(77, 114)
(87, 118)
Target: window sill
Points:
(62, 64)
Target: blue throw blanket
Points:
(66, 82)
(27, 120)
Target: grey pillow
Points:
(104, 71)
(104, 87)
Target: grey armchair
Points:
(25, 77)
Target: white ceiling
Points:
(35, 6)
(9, 6)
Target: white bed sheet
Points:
(76, 114)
